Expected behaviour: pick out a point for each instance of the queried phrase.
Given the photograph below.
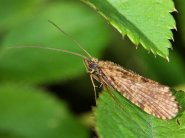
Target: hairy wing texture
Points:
(152, 97)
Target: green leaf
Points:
(131, 121)
(180, 87)
(44, 66)
(29, 113)
(147, 22)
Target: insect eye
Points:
(92, 66)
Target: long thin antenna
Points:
(69, 36)
(49, 48)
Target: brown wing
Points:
(152, 97)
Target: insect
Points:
(150, 96)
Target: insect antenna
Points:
(53, 49)
(70, 37)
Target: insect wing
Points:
(153, 98)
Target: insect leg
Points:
(94, 87)
(110, 93)
(85, 67)
(100, 85)
(114, 97)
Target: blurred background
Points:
(45, 93)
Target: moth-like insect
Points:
(150, 96)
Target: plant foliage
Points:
(131, 121)
(141, 21)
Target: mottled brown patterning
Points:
(152, 97)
